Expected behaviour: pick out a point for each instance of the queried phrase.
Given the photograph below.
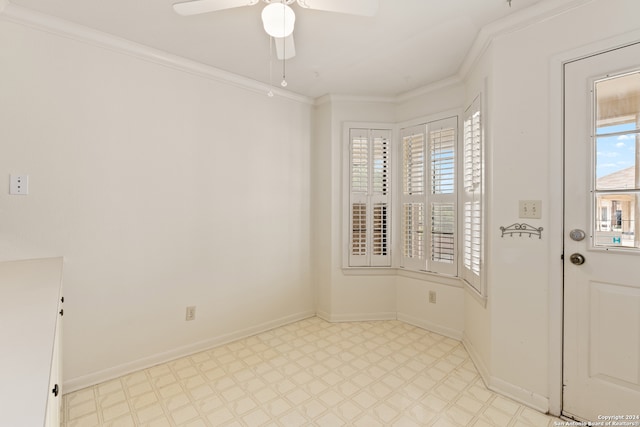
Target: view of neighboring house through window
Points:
(617, 161)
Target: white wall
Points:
(431, 100)
(161, 189)
(445, 316)
(524, 149)
(321, 206)
(352, 297)
(477, 319)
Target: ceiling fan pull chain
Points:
(284, 78)
(284, 55)
(270, 93)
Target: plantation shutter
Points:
(359, 184)
(442, 196)
(429, 196)
(370, 198)
(472, 198)
(413, 198)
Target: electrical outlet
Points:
(191, 313)
(432, 297)
(19, 185)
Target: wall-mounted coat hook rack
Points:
(521, 229)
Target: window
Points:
(472, 198)
(428, 197)
(369, 198)
(616, 148)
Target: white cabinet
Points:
(30, 332)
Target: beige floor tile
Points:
(80, 409)
(110, 399)
(198, 422)
(123, 421)
(159, 422)
(309, 373)
(87, 420)
(116, 411)
(109, 387)
(184, 414)
(143, 400)
(150, 413)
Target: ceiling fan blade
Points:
(285, 48)
(196, 7)
(352, 7)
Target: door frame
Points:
(556, 204)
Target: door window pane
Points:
(617, 161)
(616, 223)
(617, 102)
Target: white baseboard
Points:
(323, 315)
(356, 317)
(477, 360)
(430, 326)
(94, 378)
(526, 397)
(519, 394)
(392, 315)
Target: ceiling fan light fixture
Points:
(278, 20)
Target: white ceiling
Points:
(407, 45)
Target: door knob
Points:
(577, 234)
(577, 259)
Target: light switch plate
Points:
(19, 185)
(530, 209)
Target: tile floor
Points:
(309, 373)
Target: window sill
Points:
(481, 299)
(394, 271)
(442, 279)
(369, 271)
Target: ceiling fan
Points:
(278, 18)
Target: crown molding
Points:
(539, 12)
(60, 27)
(324, 99)
(440, 84)
(321, 100)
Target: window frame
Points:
(429, 198)
(369, 262)
(395, 268)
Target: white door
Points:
(602, 271)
